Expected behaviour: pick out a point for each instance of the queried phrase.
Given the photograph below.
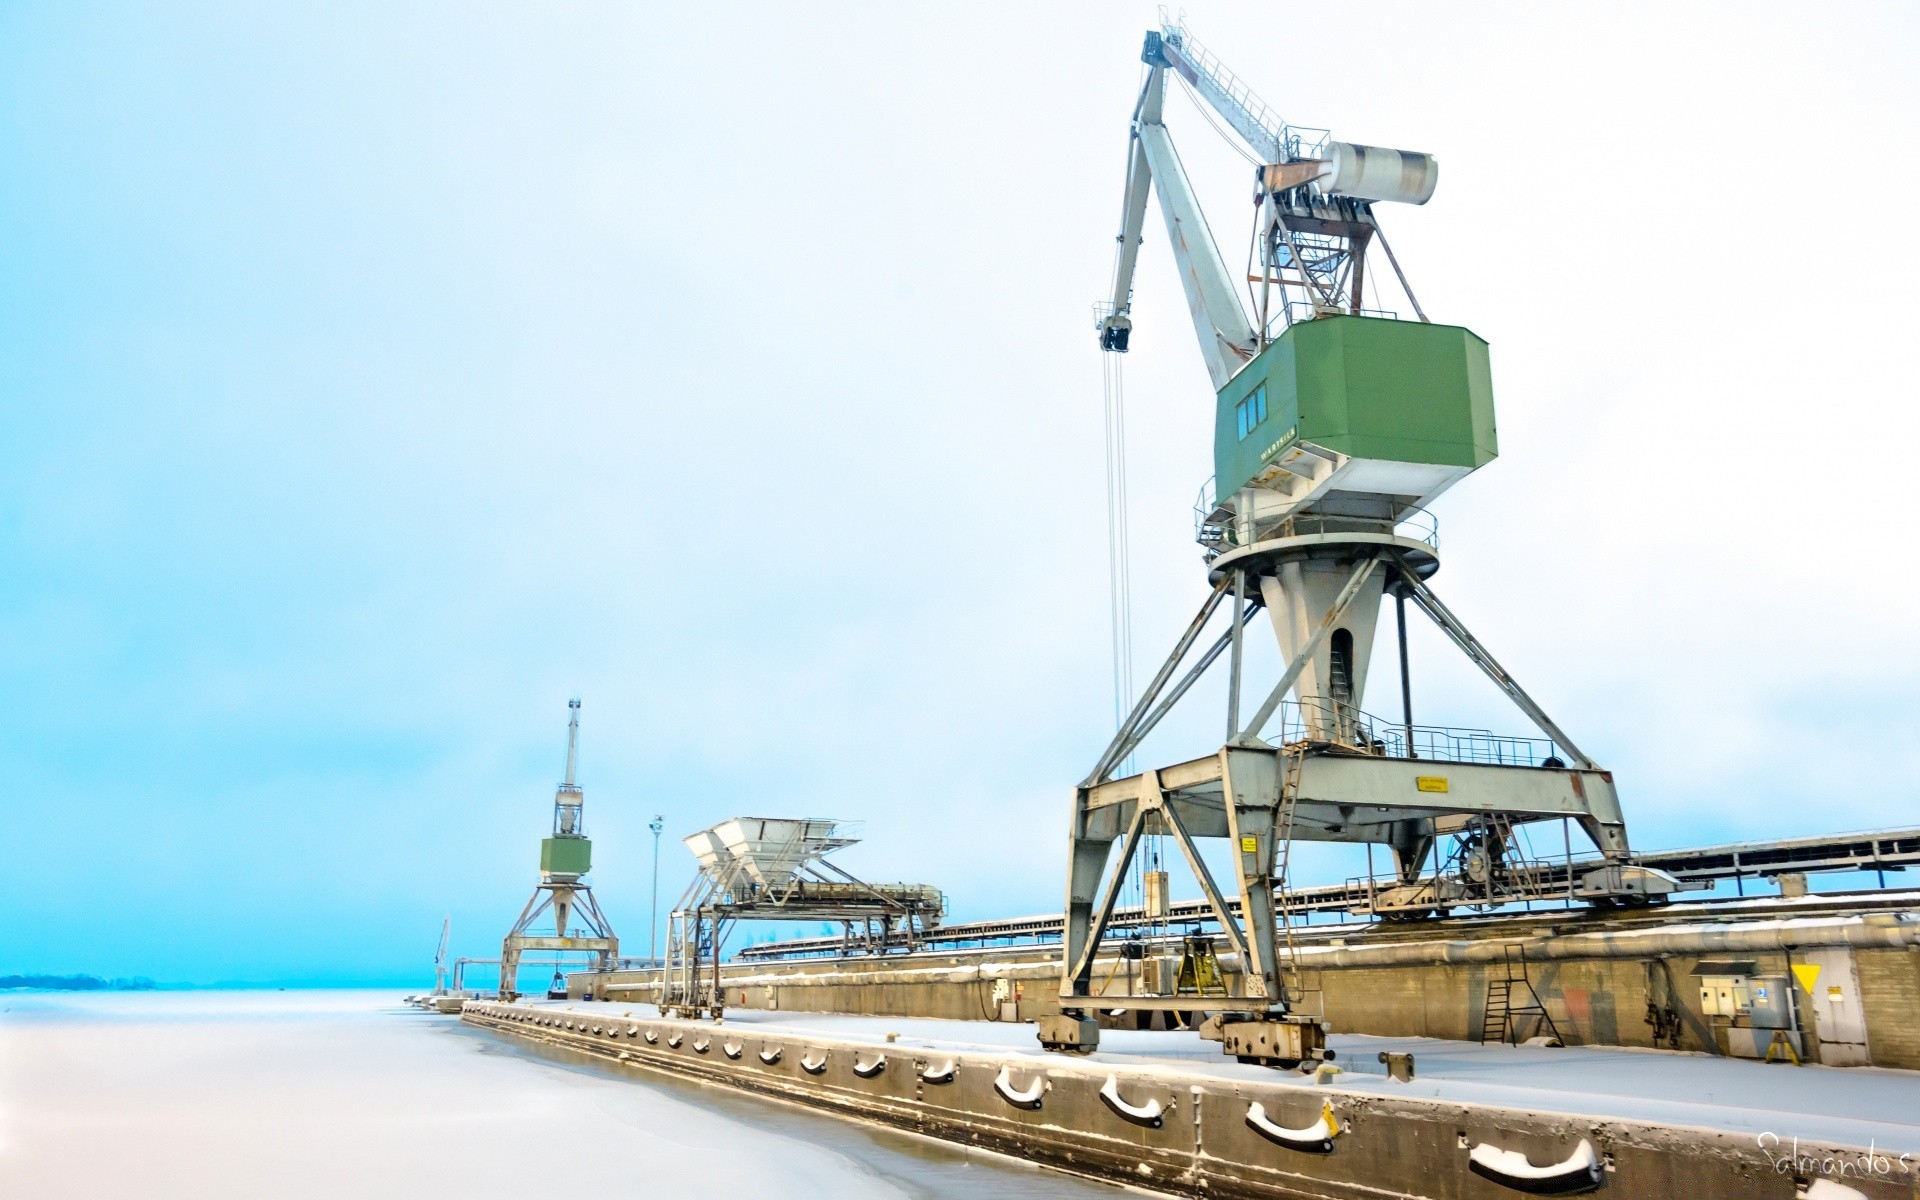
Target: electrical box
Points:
(1725, 987)
(1723, 997)
(1771, 1002)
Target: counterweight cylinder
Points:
(1376, 173)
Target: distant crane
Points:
(440, 957)
(565, 858)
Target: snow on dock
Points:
(1857, 1106)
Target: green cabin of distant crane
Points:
(566, 855)
(1367, 387)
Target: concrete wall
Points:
(1593, 1001)
(1890, 995)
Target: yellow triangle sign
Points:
(1806, 973)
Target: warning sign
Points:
(1430, 783)
(1808, 974)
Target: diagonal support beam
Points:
(1186, 681)
(1082, 973)
(1470, 646)
(1362, 571)
(1116, 749)
(1191, 853)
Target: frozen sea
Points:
(209, 1095)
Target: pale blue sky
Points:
(377, 376)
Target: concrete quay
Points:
(1162, 1111)
(1600, 975)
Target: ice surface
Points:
(210, 1095)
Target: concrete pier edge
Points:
(1159, 1128)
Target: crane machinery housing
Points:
(1335, 425)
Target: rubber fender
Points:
(1581, 1171)
(1316, 1138)
(1147, 1115)
(1028, 1097)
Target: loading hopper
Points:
(771, 849)
(709, 850)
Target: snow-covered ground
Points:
(211, 1095)
(1850, 1106)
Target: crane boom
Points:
(1314, 221)
(1133, 215)
(1227, 337)
(1271, 138)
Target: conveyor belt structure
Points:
(1880, 851)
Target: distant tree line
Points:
(76, 983)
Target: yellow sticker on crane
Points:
(1250, 845)
(1430, 783)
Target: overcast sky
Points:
(378, 376)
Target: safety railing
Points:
(1340, 723)
(1220, 534)
(1287, 142)
(1297, 311)
(1516, 881)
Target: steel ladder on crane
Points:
(1288, 973)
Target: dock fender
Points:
(1316, 1138)
(813, 1065)
(770, 1056)
(869, 1070)
(732, 1049)
(1028, 1097)
(700, 1047)
(1581, 1171)
(940, 1072)
(1147, 1114)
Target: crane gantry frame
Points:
(1335, 425)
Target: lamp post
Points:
(653, 926)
